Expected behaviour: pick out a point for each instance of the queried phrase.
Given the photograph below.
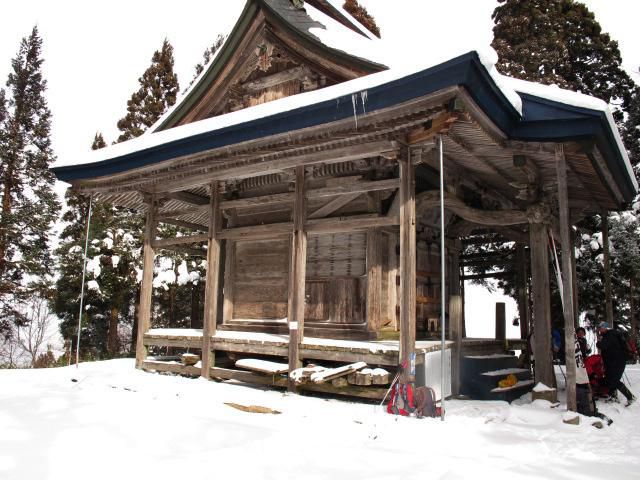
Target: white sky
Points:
(95, 52)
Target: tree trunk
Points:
(6, 211)
(195, 306)
(112, 338)
(134, 327)
(607, 270)
(632, 310)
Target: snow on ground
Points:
(117, 422)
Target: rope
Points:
(84, 271)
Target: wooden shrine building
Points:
(311, 176)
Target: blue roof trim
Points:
(547, 120)
(543, 120)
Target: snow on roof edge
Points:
(238, 117)
(507, 85)
(575, 99)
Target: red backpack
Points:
(401, 401)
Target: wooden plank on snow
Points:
(330, 374)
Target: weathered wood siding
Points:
(260, 279)
(336, 278)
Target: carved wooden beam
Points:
(261, 166)
(431, 199)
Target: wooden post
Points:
(455, 323)
(297, 273)
(407, 262)
(607, 269)
(374, 280)
(229, 272)
(501, 321)
(523, 297)
(541, 304)
(567, 274)
(146, 287)
(212, 280)
(393, 301)
(574, 279)
(454, 281)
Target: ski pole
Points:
(392, 384)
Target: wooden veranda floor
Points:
(383, 353)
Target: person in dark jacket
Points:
(614, 357)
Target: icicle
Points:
(363, 97)
(354, 102)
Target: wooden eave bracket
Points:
(439, 125)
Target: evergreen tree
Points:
(29, 204)
(631, 130)
(158, 90)
(360, 13)
(113, 262)
(560, 42)
(209, 54)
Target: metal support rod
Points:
(84, 272)
(442, 278)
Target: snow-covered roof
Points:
(264, 110)
(402, 69)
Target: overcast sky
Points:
(95, 52)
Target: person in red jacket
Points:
(613, 350)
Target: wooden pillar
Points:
(523, 297)
(454, 281)
(392, 301)
(455, 268)
(297, 273)
(146, 287)
(541, 304)
(229, 273)
(607, 269)
(212, 280)
(501, 321)
(567, 274)
(407, 261)
(455, 322)
(574, 279)
(374, 280)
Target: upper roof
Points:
(293, 27)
